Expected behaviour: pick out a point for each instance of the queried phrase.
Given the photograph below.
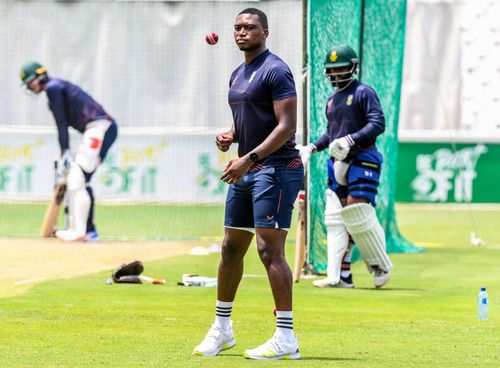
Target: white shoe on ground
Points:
(215, 341)
(324, 283)
(275, 348)
(380, 278)
(69, 235)
(344, 283)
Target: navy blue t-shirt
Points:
(252, 90)
(355, 110)
(71, 107)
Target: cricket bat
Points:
(300, 239)
(52, 211)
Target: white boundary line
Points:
(27, 281)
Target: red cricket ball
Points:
(211, 38)
(274, 311)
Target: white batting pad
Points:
(79, 200)
(90, 147)
(75, 179)
(361, 222)
(336, 236)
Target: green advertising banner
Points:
(444, 172)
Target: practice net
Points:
(375, 29)
(148, 64)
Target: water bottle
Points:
(482, 305)
(196, 280)
(204, 281)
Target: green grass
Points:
(153, 221)
(124, 221)
(425, 317)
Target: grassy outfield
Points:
(124, 221)
(425, 317)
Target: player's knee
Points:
(88, 163)
(265, 255)
(76, 178)
(229, 253)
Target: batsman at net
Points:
(355, 120)
(73, 107)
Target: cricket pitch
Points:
(28, 261)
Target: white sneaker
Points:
(69, 235)
(275, 349)
(215, 341)
(380, 278)
(324, 283)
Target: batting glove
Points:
(65, 162)
(339, 148)
(305, 152)
(60, 179)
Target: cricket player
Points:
(73, 107)
(355, 120)
(264, 182)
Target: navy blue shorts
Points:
(264, 198)
(362, 177)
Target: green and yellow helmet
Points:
(32, 70)
(341, 57)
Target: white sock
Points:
(223, 314)
(284, 325)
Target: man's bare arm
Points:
(286, 113)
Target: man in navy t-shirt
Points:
(355, 120)
(263, 184)
(73, 107)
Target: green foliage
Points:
(425, 317)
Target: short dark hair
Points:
(260, 13)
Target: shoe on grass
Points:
(380, 277)
(215, 341)
(275, 348)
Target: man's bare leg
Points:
(220, 336)
(271, 247)
(234, 248)
(283, 344)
